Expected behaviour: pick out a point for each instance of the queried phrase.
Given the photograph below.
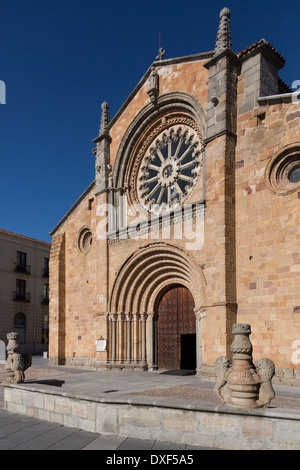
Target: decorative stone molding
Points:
(155, 223)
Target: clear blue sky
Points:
(60, 59)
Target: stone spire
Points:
(224, 33)
(102, 163)
(104, 118)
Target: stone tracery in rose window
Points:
(169, 169)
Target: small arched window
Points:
(85, 240)
(283, 171)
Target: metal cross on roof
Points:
(161, 53)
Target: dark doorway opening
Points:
(188, 352)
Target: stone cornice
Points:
(23, 238)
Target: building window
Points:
(20, 265)
(21, 259)
(20, 326)
(294, 175)
(85, 240)
(20, 294)
(283, 171)
(46, 267)
(45, 296)
(91, 204)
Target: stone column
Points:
(155, 341)
(143, 328)
(120, 338)
(113, 319)
(128, 345)
(151, 341)
(135, 337)
(200, 314)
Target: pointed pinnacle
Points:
(105, 119)
(224, 33)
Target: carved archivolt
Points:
(150, 270)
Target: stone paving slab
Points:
(105, 443)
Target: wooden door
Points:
(176, 320)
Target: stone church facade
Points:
(191, 224)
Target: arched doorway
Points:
(176, 330)
(140, 286)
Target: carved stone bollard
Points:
(243, 384)
(16, 363)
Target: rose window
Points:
(169, 169)
(85, 240)
(283, 171)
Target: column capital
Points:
(143, 316)
(200, 313)
(113, 316)
(151, 314)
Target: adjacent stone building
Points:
(191, 224)
(24, 290)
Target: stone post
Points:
(16, 363)
(243, 380)
(243, 384)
